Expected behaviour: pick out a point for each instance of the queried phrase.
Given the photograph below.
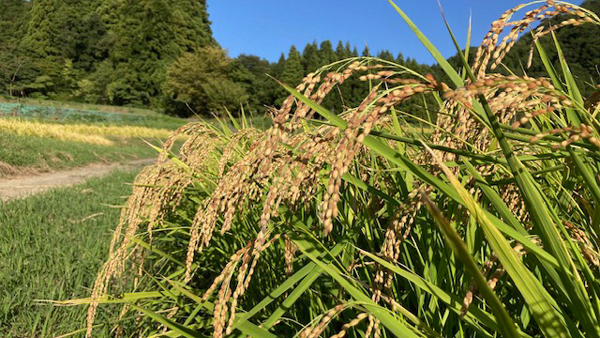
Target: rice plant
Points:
(92, 134)
(360, 225)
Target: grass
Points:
(72, 113)
(81, 106)
(50, 247)
(93, 134)
(485, 225)
(21, 154)
(31, 145)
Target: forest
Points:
(161, 54)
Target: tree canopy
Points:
(162, 54)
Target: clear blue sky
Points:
(269, 27)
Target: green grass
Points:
(80, 106)
(51, 246)
(47, 153)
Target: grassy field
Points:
(23, 154)
(94, 134)
(81, 106)
(34, 145)
(51, 246)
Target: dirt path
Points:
(23, 186)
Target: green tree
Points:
(366, 52)
(198, 81)
(62, 40)
(386, 55)
(192, 26)
(293, 72)
(15, 63)
(145, 37)
(251, 73)
(310, 58)
(326, 53)
(40, 39)
(144, 45)
(341, 51)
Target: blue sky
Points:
(269, 27)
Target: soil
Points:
(20, 186)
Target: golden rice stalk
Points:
(288, 165)
(93, 134)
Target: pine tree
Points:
(293, 72)
(326, 53)
(54, 30)
(190, 17)
(310, 58)
(341, 52)
(144, 45)
(348, 49)
(42, 29)
(386, 55)
(366, 51)
(400, 59)
(148, 36)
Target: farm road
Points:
(23, 186)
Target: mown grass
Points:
(30, 145)
(20, 154)
(51, 246)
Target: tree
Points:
(386, 55)
(326, 53)
(310, 58)
(190, 18)
(341, 51)
(293, 72)
(198, 80)
(148, 36)
(366, 51)
(15, 63)
(251, 73)
(144, 46)
(61, 40)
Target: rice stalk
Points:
(239, 214)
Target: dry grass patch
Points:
(93, 134)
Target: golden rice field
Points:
(348, 225)
(92, 134)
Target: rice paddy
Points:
(349, 225)
(481, 222)
(92, 134)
